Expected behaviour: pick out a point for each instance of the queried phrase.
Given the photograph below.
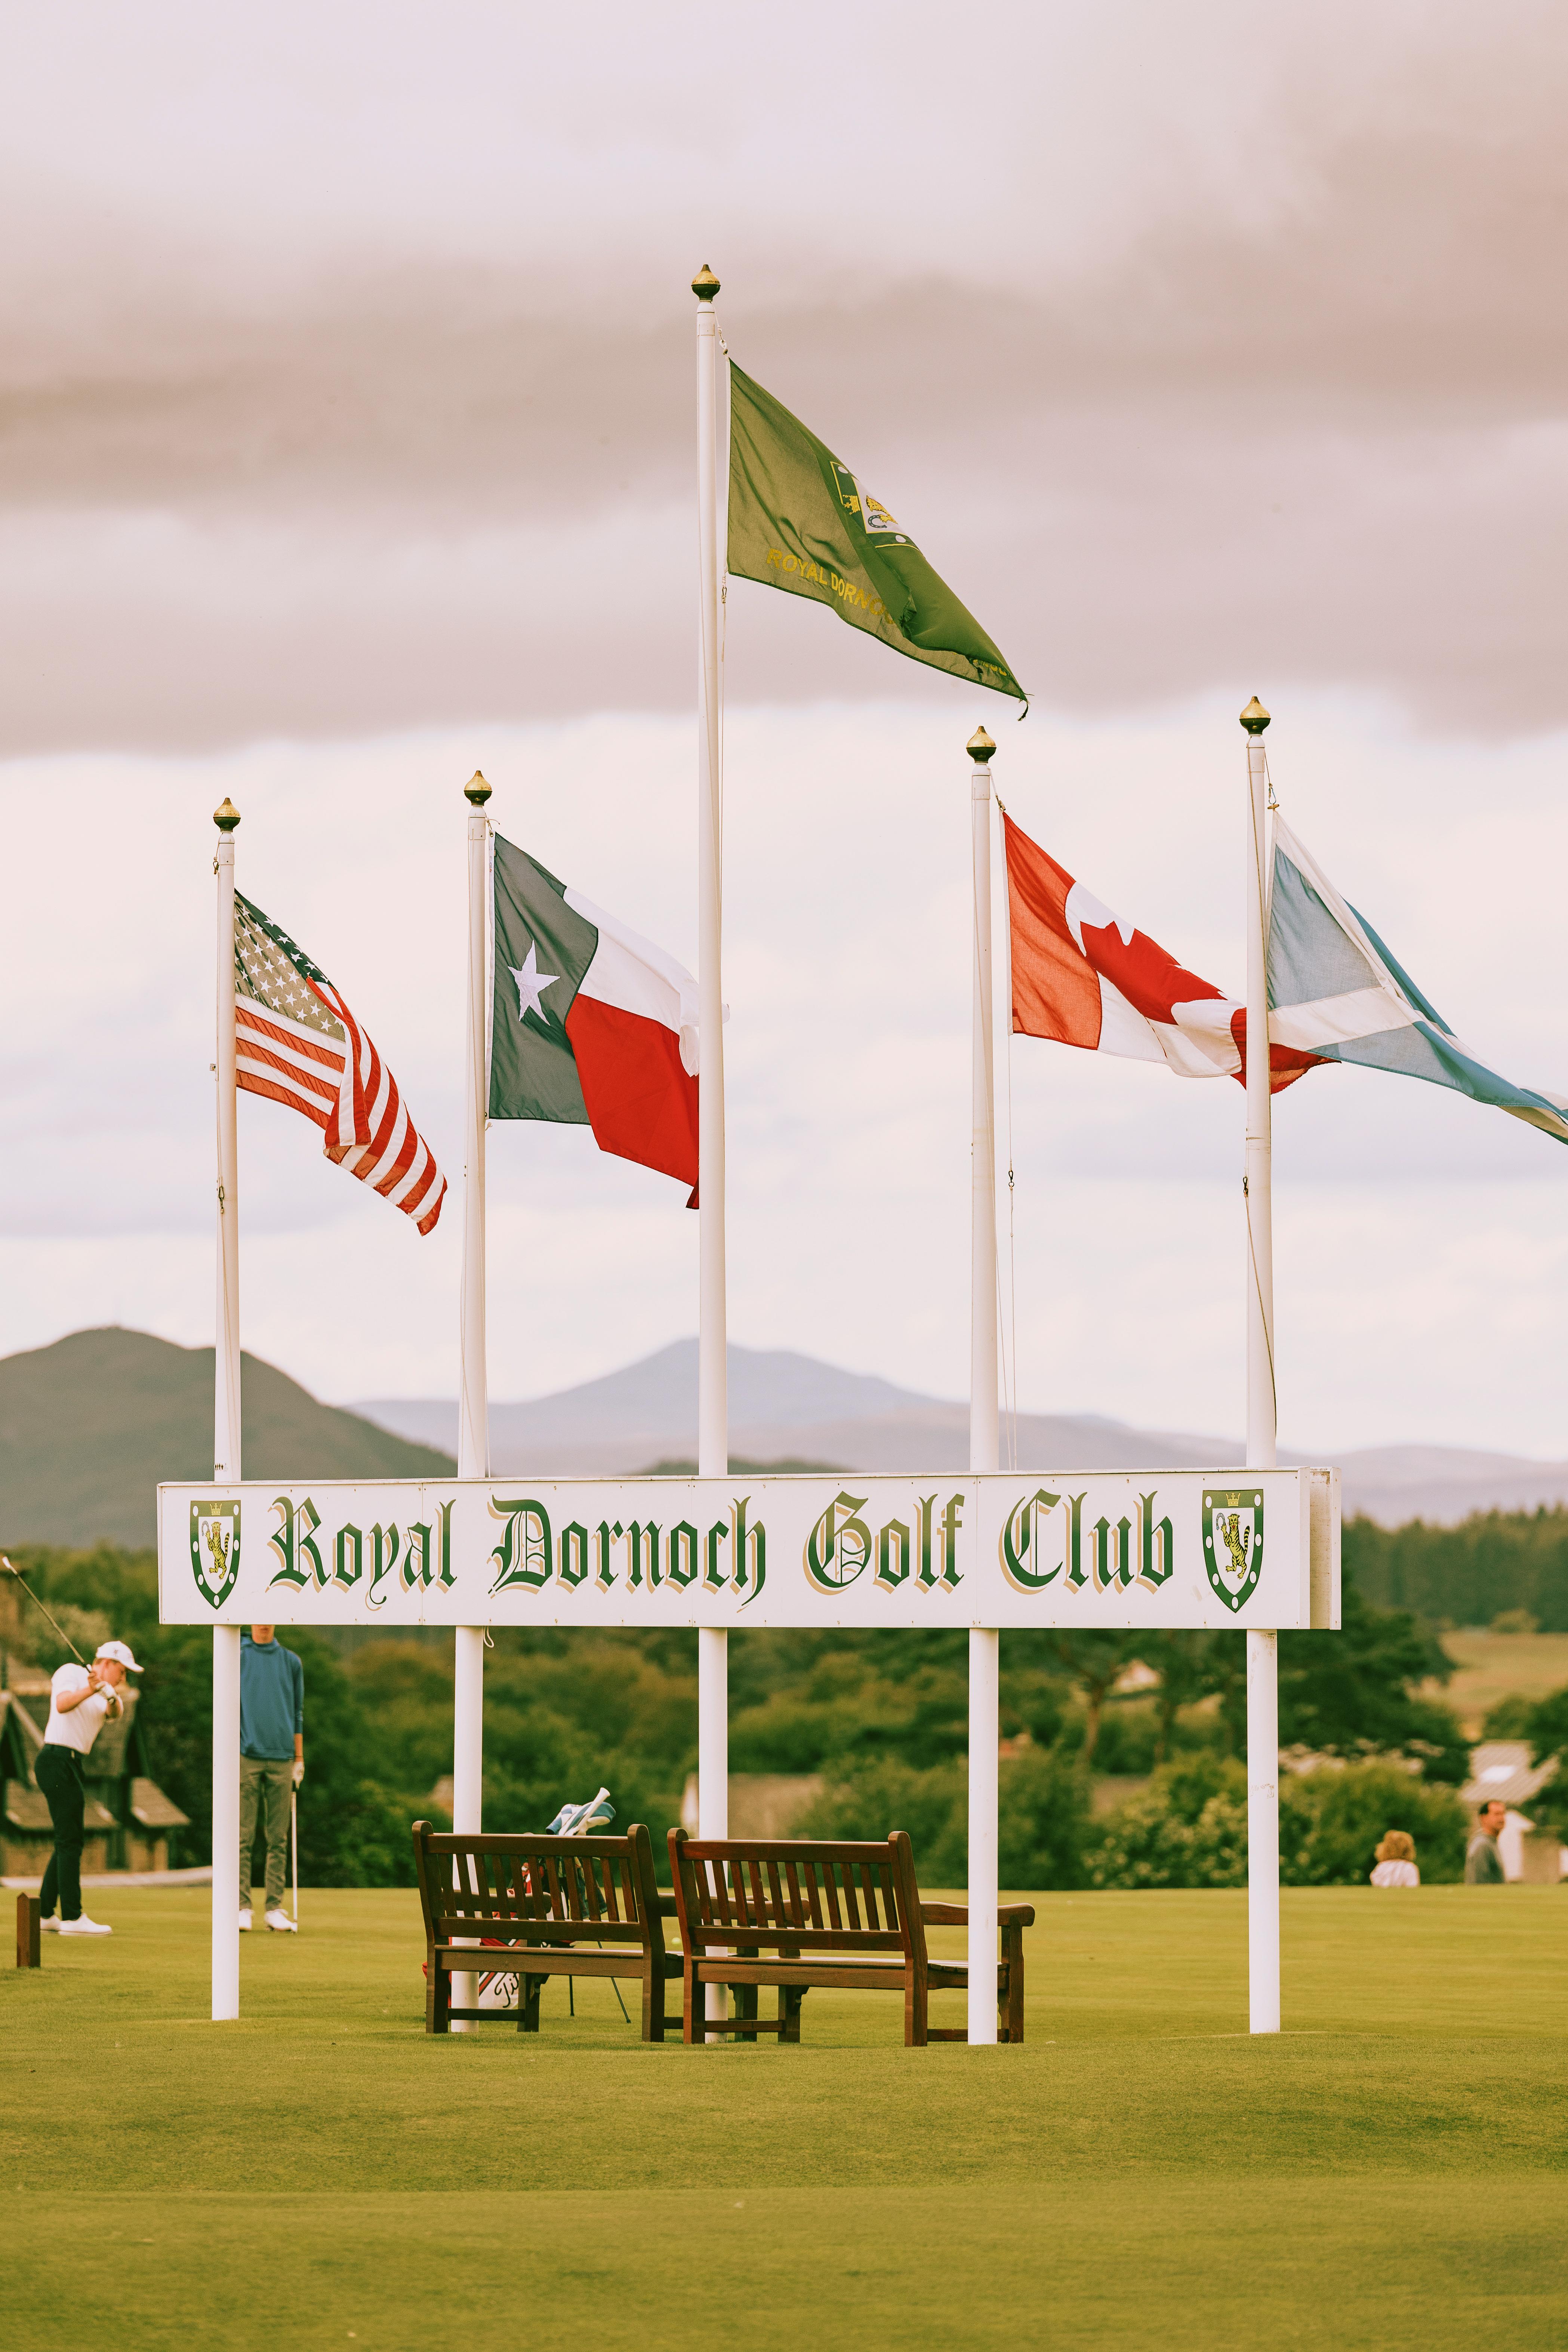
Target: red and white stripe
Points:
(342, 1083)
(1084, 977)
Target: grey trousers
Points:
(264, 1785)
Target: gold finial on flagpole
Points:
(1254, 718)
(705, 285)
(980, 745)
(477, 789)
(227, 817)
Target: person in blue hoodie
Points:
(271, 1761)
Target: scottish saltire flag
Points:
(297, 1043)
(1084, 977)
(1336, 994)
(590, 1022)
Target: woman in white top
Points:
(1396, 1861)
(82, 1699)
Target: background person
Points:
(271, 1761)
(1396, 1861)
(82, 1699)
(1483, 1861)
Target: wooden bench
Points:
(574, 1906)
(773, 1912)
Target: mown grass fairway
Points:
(1492, 1667)
(1389, 2173)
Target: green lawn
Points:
(1388, 2173)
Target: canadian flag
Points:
(1084, 977)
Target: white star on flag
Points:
(531, 983)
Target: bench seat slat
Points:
(571, 1961)
(808, 1939)
(454, 1927)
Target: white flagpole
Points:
(1262, 1649)
(985, 1644)
(713, 1322)
(225, 1448)
(473, 1406)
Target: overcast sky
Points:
(346, 443)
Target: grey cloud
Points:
(1325, 445)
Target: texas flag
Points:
(590, 1022)
(1084, 977)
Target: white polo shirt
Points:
(81, 1727)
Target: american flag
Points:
(298, 1042)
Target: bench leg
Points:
(691, 2013)
(1013, 1971)
(528, 1991)
(744, 1998)
(438, 1997)
(790, 1999)
(916, 2009)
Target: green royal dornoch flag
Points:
(801, 522)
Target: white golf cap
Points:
(119, 1650)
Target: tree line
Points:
(881, 1718)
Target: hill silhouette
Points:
(90, 1425)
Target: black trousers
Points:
(60, 1776)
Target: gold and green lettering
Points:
(924, 1575)
(1076, 1576)
(639, 1538)
(1020, 1543)
(604, 1536)
(384, 1542)
(525, 1554)
(1151, 1530)
(348, 1557)
(889, 1576)
(951, 1520)
(294, 1543)
(680, 1555)
(837, 1549)
(748, 1552)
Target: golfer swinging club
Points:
(81, 1700)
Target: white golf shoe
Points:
(281, 1923)
(84, 1927)
(51, 1925)
(245, 1921)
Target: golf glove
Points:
(298, 1769)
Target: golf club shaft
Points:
(37, 1604)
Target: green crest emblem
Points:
(215, 1550)
(1232, 1541)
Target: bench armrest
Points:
(956, 1915)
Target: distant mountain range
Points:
(90, 1425)
(783, 1404)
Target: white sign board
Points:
(1150, 1548)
